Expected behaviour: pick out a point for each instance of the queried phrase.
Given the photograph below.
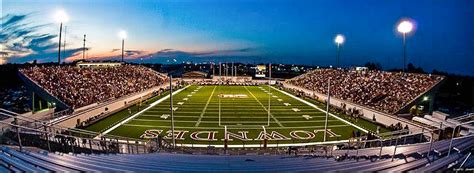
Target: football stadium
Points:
(141, 111)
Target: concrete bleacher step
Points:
(439, 164)
(4, 169)
(408, 158)
(33, 161)
(22, 166)
(48, 158)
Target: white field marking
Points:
(175, 108)
(144, 110)
(215, 112)
(293, 117)
(275, 96)
(232, 116)
(307, 117)
(296, 109)
(280, 100)
(189, 95)
(176, 116)
(193, 92)
(165, 116)
(276, 121)
(268, 145)
(185, 99)
(180, 103)
(236, 127)
(233, 122)
(314, 106)
(287, 104)
(205, 107)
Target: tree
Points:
(373, 66)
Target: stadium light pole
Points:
(327, 110)
(339, 40)
(269, 92)
(265, 139)
(84, 49)
(64, 45)
(61, 17)
(225, 140)
(405, 27)
(172, 111)
(123, 36)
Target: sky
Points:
(252, 31)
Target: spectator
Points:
(384, 91)
(79, 87)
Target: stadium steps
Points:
(422, 149)
(39, 163)
(17, 165)
(441, 164)
(18, 161)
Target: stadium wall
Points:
(34, 87)
(430, 92)
(368, 113)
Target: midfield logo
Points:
(240, 135)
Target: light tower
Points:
(84, 49)
(123, 36)
(60, 17)
(405, 27)
(339, 40)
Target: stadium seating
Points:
(384, 91)
(29, 161)
(78, 87)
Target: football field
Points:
(247, 114)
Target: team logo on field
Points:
(239, 135)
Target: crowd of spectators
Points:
(384, 91)
(78, 87)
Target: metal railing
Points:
(24, 130)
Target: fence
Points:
(24, 131)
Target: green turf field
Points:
(243, 109)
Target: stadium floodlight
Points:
(60, 17)
(123, 36)
(405, 27)
(339, 41)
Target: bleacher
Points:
(411, 157)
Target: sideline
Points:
(142, 111)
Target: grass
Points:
(200, 112)
(109, 121)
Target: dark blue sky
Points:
(249, 30)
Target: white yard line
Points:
(135, 115)
(210, 116)
(234, 122)
(236, 127)
(276, 121)
(205, 107)
(314, 106)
